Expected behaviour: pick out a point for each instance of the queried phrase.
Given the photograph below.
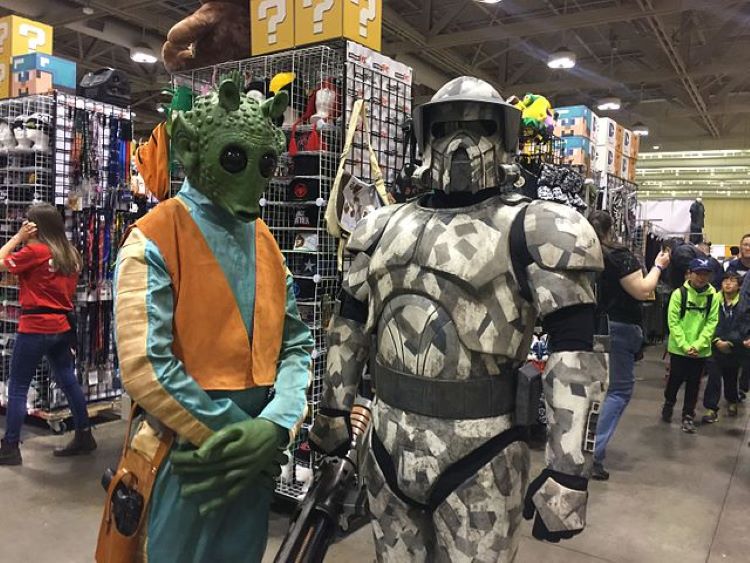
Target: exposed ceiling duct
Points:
(105, 29)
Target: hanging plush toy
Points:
(37, 131)
(7, 138)
(215, 33)
(538, 118)
(19, 131)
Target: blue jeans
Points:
(27, 353)
(625, 343)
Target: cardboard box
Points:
(19, 36)
(63, 71)
(607, 133)
(624, 166)
(608, 160)
(635, 146)
(576, 121)
(30, 82)
(631, 168)
(578, 151)
(627, 142)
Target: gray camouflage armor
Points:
(444, 304)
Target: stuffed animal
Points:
(7, 139)
(37, 131)
(215, 33)
(19, 131)
(537, 115)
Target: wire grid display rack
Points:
(620, 198)
(295, 202)
(39, 172)
(535, 150)
(26, 177)
(91, 181)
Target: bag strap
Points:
(359, 108)
(683, 301)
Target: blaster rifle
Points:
(314, 523)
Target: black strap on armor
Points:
(351, 308)
(441, 398)
(454, 475)
(520, 257)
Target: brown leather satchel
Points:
(129, 491)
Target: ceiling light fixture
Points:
(87, 10)
(609, 104)
(656, 147)
(640, 129)
(143, 54)
(489, 1)
(562, 59)
(160, 109)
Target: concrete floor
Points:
(672, 497)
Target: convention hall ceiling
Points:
(680, 66)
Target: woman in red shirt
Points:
(47, 268)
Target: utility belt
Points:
(512, 390)
(129, 489)
(70, 315)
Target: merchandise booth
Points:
(73, 152)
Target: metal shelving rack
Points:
(620, 198)
(41, 173)
(294, 204)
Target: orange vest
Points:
(210, 337)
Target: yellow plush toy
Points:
(537, 115)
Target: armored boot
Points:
(82, 443)
(9, 453)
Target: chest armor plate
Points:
(443, 297)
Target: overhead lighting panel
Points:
(609, 104)
(640, 129)
(562, 59)
(143, 54)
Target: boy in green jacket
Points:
(693, 315)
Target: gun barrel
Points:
(314, 522)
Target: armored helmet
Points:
(468, 136)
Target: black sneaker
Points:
(688, 426)
(9, 453)
(666, 412)
(598, 473)
(82, 443)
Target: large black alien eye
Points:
(267, 164)
(233, 159)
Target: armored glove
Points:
(331, 433)
(234, 458)
(559, 501)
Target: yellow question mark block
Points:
(271, 26)
(20, 36)
(317, 21)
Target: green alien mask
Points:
(229, 146)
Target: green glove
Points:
(234, 458)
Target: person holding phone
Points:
(47, 267)
(621, 289)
